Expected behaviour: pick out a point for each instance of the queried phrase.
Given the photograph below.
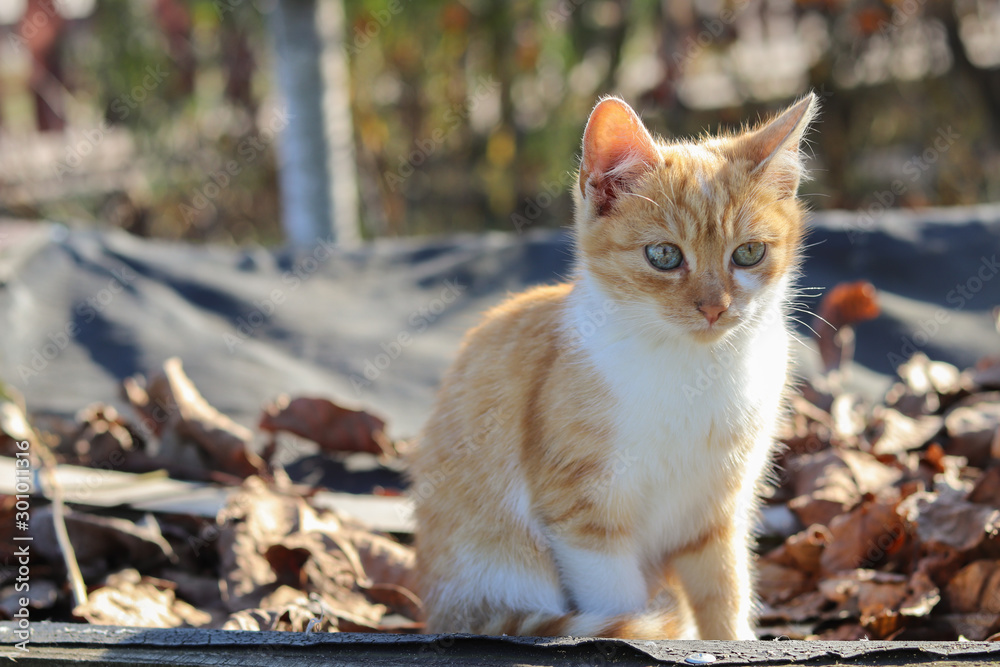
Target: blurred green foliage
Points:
(468, 113)
(892, 76)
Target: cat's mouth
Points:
(712, 331)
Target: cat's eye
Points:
(749, 254)
(664, 256)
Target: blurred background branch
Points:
(396, 117)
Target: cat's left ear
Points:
(775, 148)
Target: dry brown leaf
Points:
(895, 432)
(287, 563)
(842, 307)
(849, 632)
(14, 427)
(810, 605)
(806, 548)
(201, 591)
(253, 520)
(291, 610)
(877, 596)
(866, 535)
(275, 545)
(839, 589)
(899, 397)
(971, 424)
(101, 435)
(985, 374)
(385, 561)
(974, 627)
(975, 588)
(923, 376)
(101, 540)
(882, 625)
(849, 414)
(878, 606)
(949, 522)
(227, 444)
(284, 596)
(127, 598)
(399, 600)
(333, 427)
(824, 487)
(802, 434)
(801, 552)
(779, 583)
(922, 596)
(871, 475)
(987, 488)
(331, 574)
(40, 595)
(254, 620)
(832, 482)
(874, 598)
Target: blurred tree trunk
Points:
(41, 27)
(317, 175)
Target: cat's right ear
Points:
(617, 149)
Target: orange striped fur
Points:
(592, 464)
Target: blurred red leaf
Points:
(333, 427)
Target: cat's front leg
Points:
(715, 574)
(606, 582)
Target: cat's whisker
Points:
(822, 319)
(795, 307)
(633, 194)
(800, 342)
(812, 293)
(795, 319)
(813, 245)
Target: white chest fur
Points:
(680, 405)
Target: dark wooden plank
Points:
(58, 643)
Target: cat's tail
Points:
(663, 624)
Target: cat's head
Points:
(701, 236)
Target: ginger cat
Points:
(593, 461)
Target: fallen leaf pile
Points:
(269, 560)
(897, 504)
(883, 521)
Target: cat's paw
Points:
(746, 633)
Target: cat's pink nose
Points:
(712, 313)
